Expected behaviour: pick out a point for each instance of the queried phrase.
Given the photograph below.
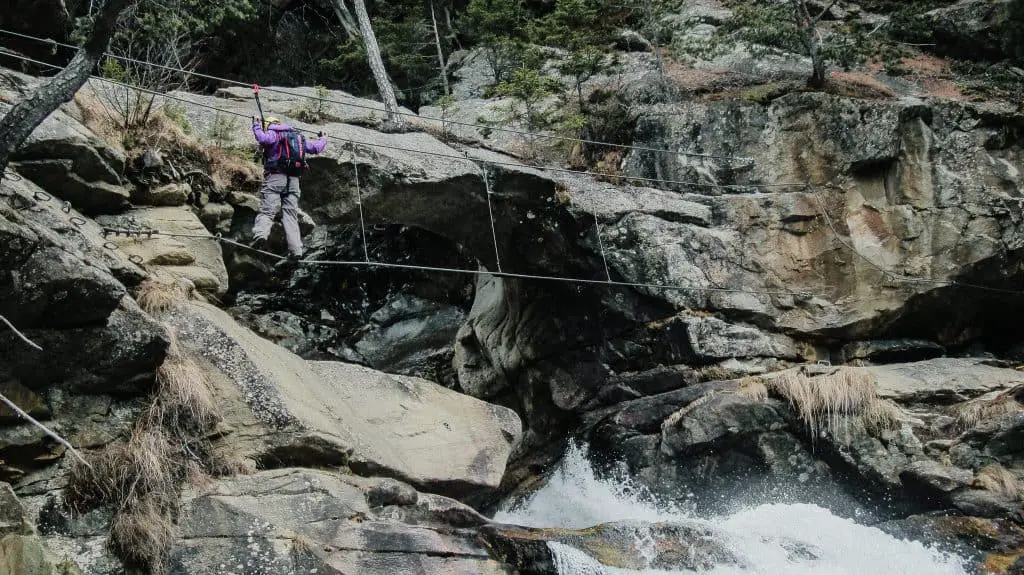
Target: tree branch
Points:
(45, 429)
(24, 117)
(24, 415)
(823, 12)
(19, 334)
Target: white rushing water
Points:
(759, 536)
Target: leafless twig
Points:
(19, 334)
(23, 414)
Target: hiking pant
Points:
(274, 197)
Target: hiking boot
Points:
(289, 263)
(258, 243)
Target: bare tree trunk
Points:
(812, 42)
(451, 28)
(440, 52)
(380, 74)
(817, 79)
(23, 118)
(348, 21)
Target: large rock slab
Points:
(198, 259)
(942, 380)
(303, 521)
(714, 339)
(58, 285)
(64, 225)
(335, 413)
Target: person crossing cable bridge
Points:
(284, 161)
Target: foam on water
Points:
(763, 536)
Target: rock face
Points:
(65, 292)
(408, 334)
(289, 411)
(197, 259)
(947, 450)
(921, 190)
(68, 160)
(807, 227)
(972, 28)
(303, 521)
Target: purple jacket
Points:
(271, 139)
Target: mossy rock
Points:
(26, 555)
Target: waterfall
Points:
(794, 539)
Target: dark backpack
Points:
(292, 159)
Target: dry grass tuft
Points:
(98, 118)
(168, 446)
(157, 296)
(184, 400)
(881, 416)
(822, 402)
(143, 465)
(230, 167)
(998, 479)
(753, 388)
(92, 485)
(225, 465)
(142, 533)
(971, 413)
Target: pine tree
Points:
(786, 26)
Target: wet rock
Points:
(645, 415)
(935, 477)
(330, 413)
(717, 418)
(984, 503)
(985, 543)
(676, 546)
(409, 335)
(890, 351)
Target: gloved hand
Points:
(319, 134)
(254, 122)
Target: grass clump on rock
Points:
(826, 402)
(142, 475)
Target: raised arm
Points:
(315, 146)
(265, 138)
